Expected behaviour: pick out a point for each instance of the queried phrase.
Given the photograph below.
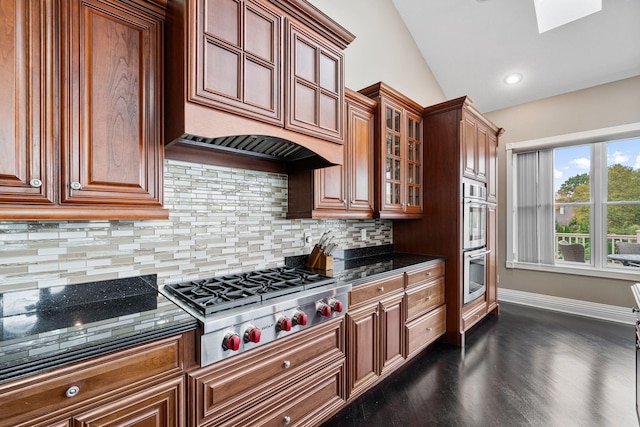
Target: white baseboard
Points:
(611, 313)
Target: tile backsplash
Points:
(221, 220)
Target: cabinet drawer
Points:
(425, 330)
(474, 316)
(232, 386)
(304, 404)
(97, 379)
(424, 298)
(425, 274)
(375, 290)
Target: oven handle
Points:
(477, 255)
(479, 202)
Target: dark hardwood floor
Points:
(526, 367)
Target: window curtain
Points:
(535, 223)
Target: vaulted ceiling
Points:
(472, 45)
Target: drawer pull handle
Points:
(428, 273)
(35, 182)
(381, 288)
(72, 391)
(429, 329)
(429, 298)
(286, 364)
(287, 419)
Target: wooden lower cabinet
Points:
(425, 330)
(145, 382)
(375, 337)
(263, 384)
(161, 405)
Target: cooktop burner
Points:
(234, 290)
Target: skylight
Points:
(554, 13)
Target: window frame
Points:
(598, 198)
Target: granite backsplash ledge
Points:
(222, 220)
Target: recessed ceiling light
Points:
(513, 78)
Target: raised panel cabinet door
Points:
(469, 147)
(492, 258)
(330, 189)
(237, 58)
(315, 95)
(482, 145)
(362, 348)
(26, 125)
(158, 406)
(111, 104)
(392, 334)
(492, 168)
(359, 145)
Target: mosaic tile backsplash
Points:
(222, 220)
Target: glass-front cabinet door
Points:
(413, 182)
(393, 159)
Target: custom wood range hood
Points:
(256, 84)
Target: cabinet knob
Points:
(35, 182)
(286, 364)
(76, 185)
(344, 201)
(381, 288)
(287, 419)
(72, 391)
(384, 309)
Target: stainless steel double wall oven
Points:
(474, 239)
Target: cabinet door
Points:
(413, 176)
(362, 348)
(492, 259)
(391, 155)
(26, 132)
(316, 90)
(482, 144)
(492, 168)
(392, 334)
(469, 147)
(359, 146)
(329, 193)
(111, 109)
(238, 57)
(158, 406)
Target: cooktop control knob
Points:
(231, 341)
(252, 334)
(299, 318)
(336, 305)
(324, 309)
(284, 324)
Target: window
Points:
(573, 200)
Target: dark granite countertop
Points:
(357, 266)
(47, 328)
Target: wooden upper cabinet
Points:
(315, 94)
(474, 143)
(398, 154)
(111, 151)
(342, 191)
(238, 58)
(84, 105)
(492, 168)
(26, 132)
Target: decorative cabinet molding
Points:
(84, 137)
(398, 154)
(343, 191)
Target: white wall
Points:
(383, 49)
(612, 104)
